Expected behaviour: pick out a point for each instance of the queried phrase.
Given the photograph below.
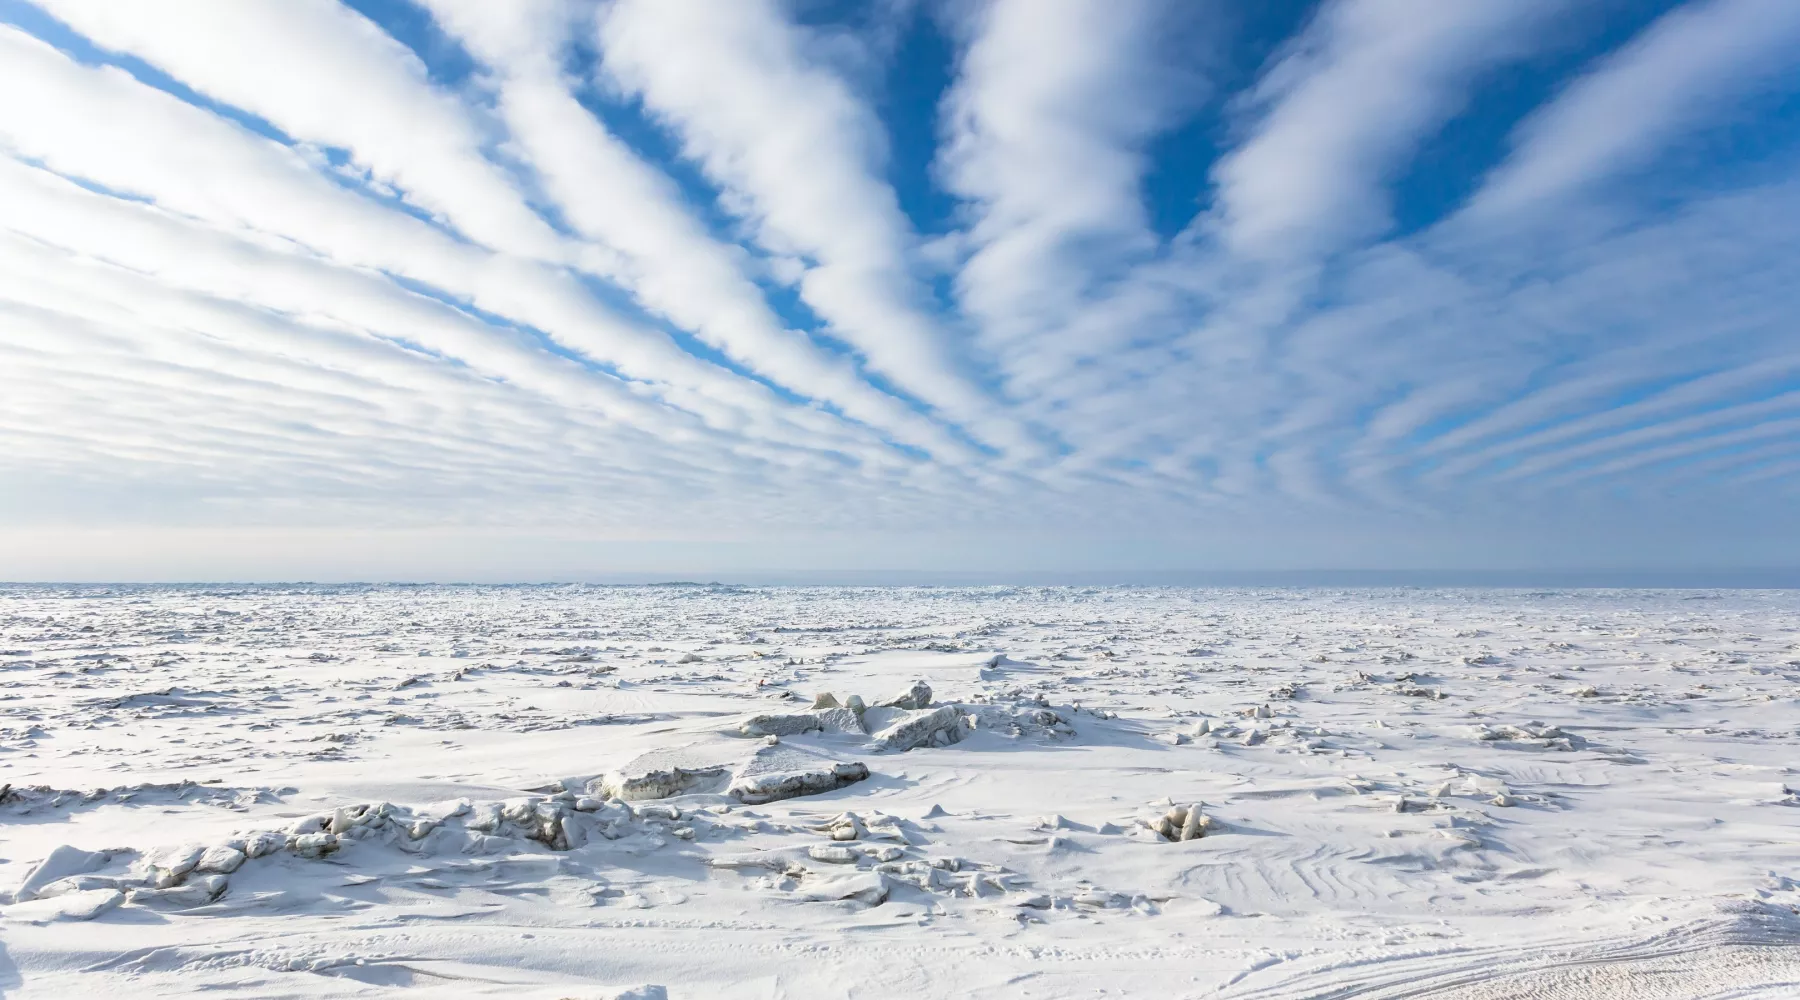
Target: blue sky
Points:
(555, 288)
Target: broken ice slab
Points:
(785, 771)
(899, 729)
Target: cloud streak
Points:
(643, 269)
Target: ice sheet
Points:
(404, 791)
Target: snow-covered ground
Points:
(598, 792)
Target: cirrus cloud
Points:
(644, 269)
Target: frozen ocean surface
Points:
(703, 791)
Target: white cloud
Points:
(1683, 71)
(325, 75)
(1338, 115)
(100, 125)
(479, 311)
(1046, 129)
(665, 256)
(800, 156)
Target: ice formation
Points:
(675, 792)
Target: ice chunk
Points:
(769, 786)
(885, 826)
(314, 845)
(85, 883)
(661, 783)
(566, 834)
(61, 863)
(197, 892)
(81, 905)
(1182, 823)
(1192, 823)
(840, 720)
(220, 859)
(780, 725)
(260, 844)
(918, 728)
(846, 826)
(88, 904)
(864, 887)
(914, 698)
(311, 824)
(172, 864)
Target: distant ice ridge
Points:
(906, 720)
(194, 874)
(622, 806)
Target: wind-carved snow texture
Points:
(697, 791)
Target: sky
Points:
(569, 289)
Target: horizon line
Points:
(1721, 578)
